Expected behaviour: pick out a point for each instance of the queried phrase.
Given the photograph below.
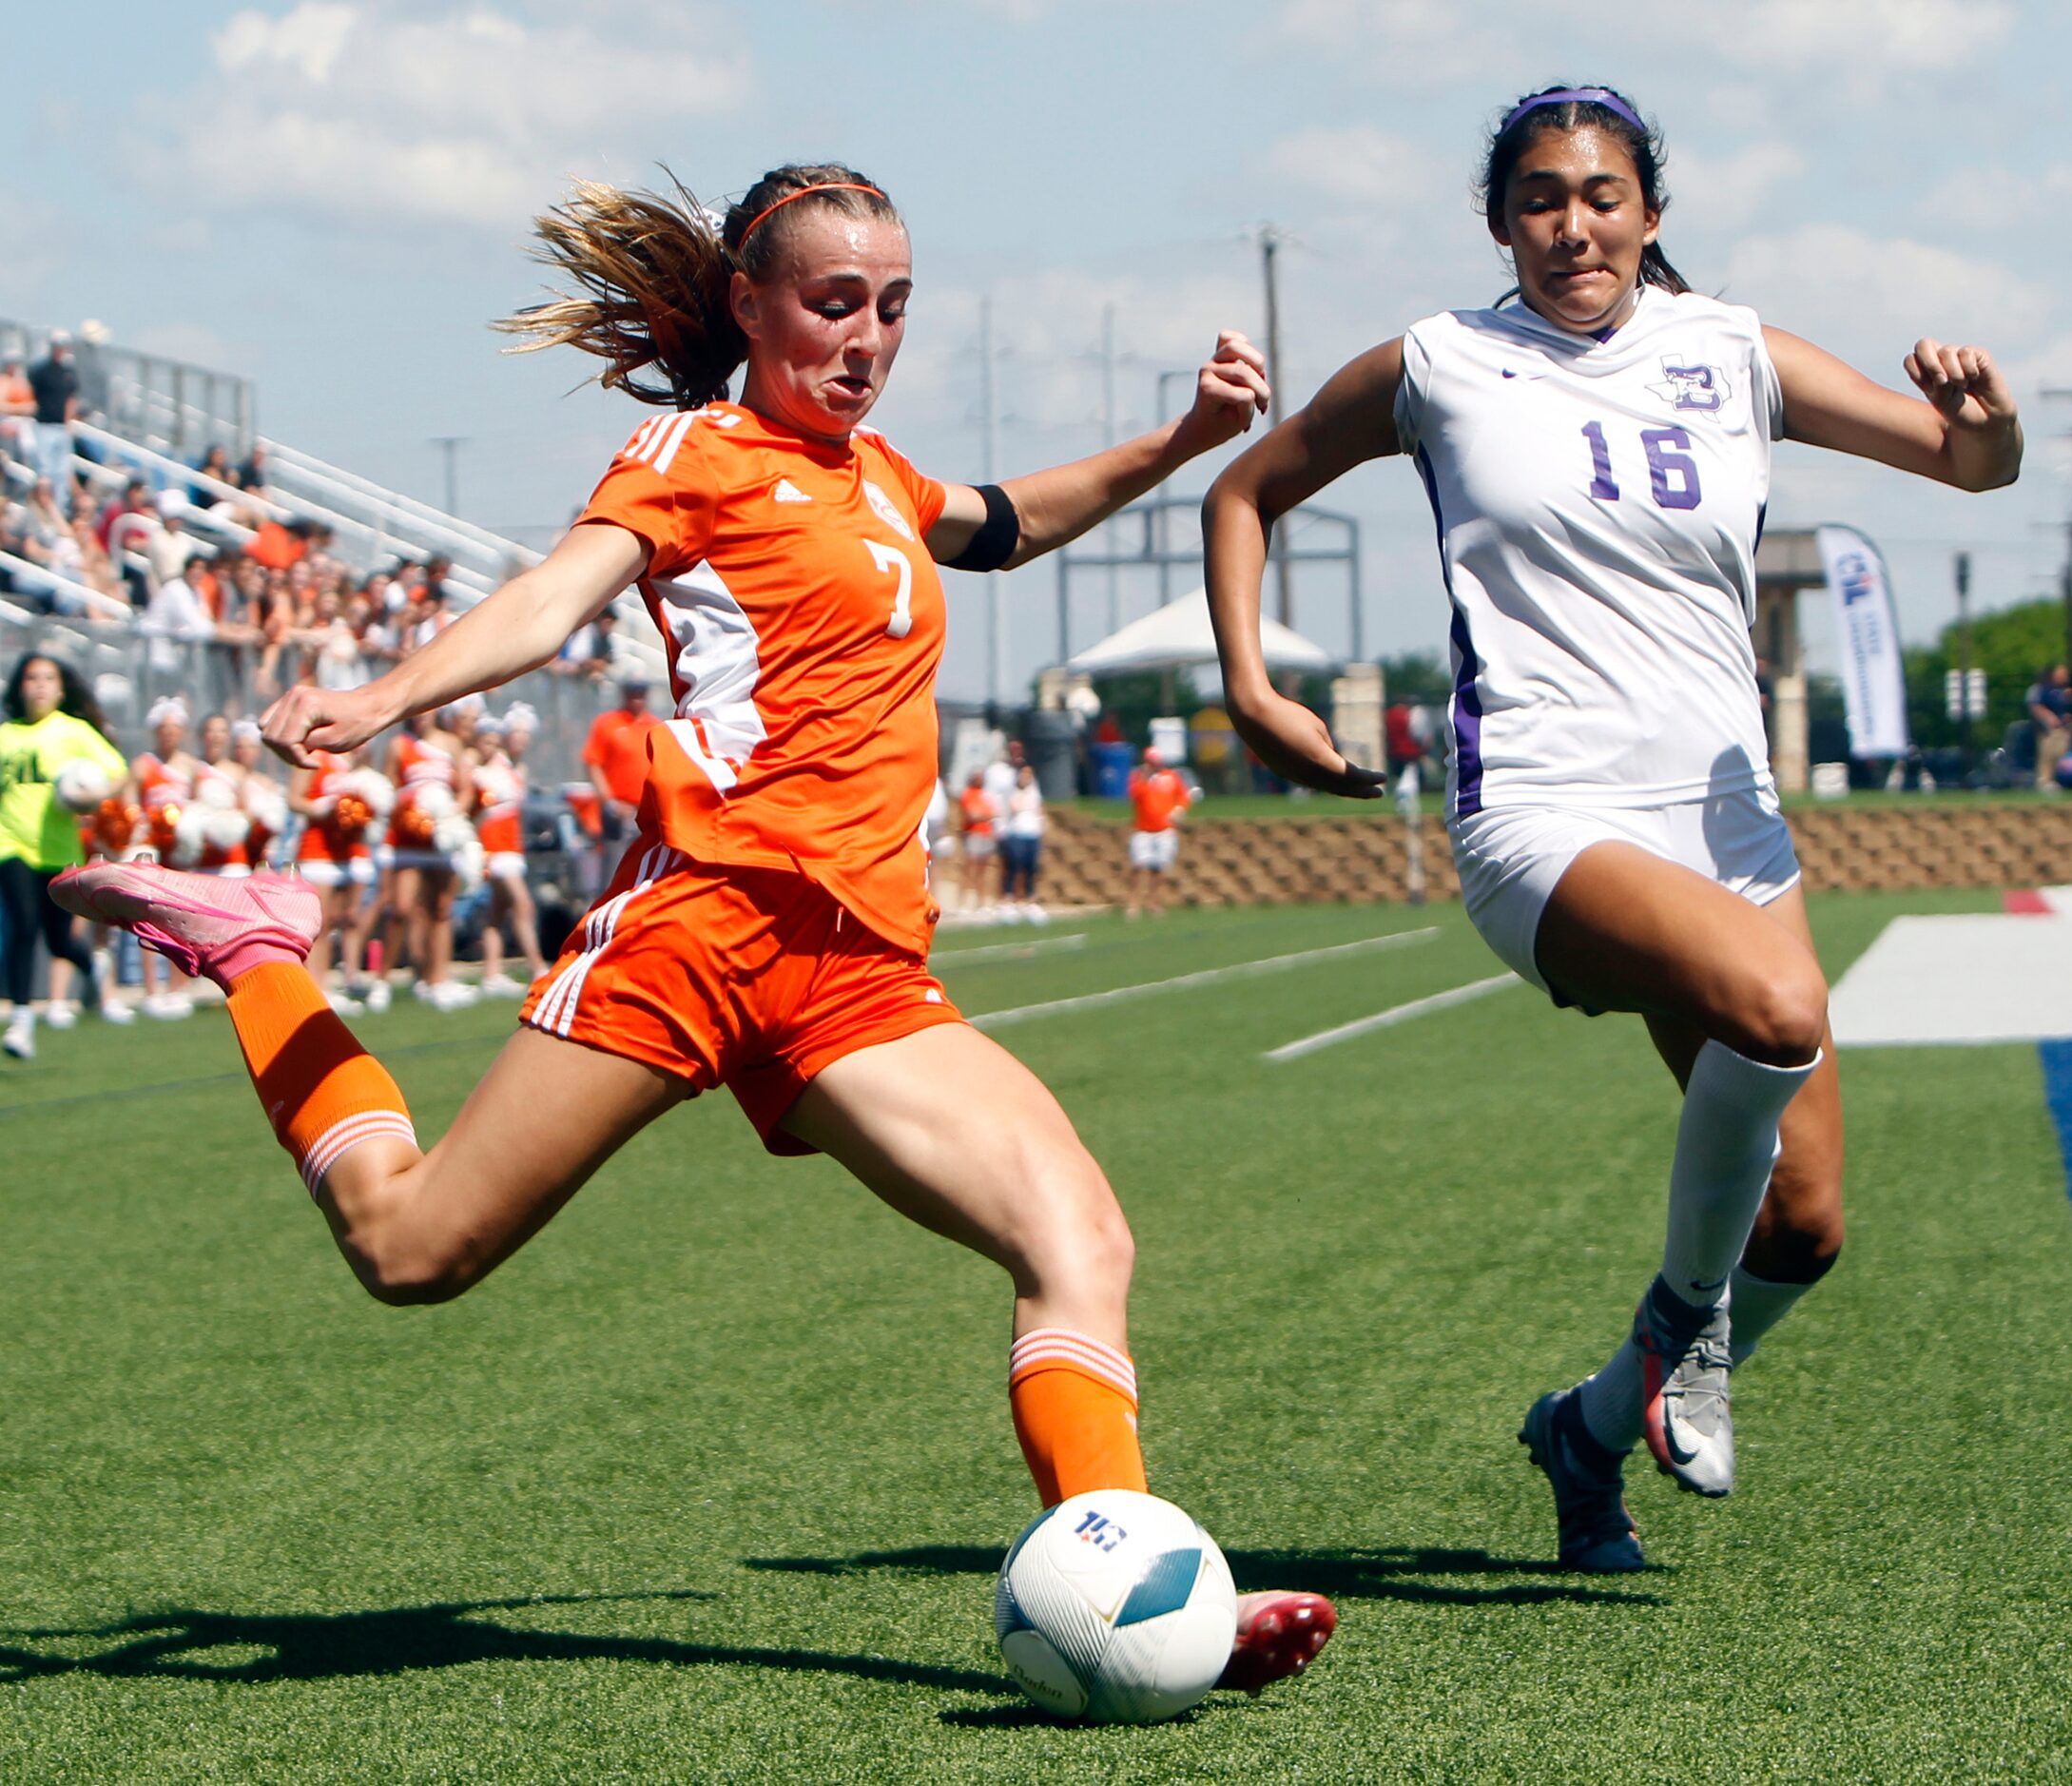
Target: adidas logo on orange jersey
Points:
(788, 492)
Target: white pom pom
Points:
(374, 787)
(468, 863)
(267, 808)
(190, 834)
(82, 786)
(434, 799)
(225, 827)
(217, 792)
(451, 834)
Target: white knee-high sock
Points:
(1759, 1306)
(1726, 1144)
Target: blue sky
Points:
(332, 197)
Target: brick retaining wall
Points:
(1278, 862)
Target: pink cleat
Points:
(1278, 1634)
(201, 924)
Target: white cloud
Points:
(466, 114)
(1995, 198)
(1412, 43)
(1846, 36)
(1870, 297)
(1358, 165)
(1724, 192)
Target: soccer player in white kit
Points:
(1598, 459)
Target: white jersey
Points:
(1598, 503)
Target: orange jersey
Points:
(160, 785)
(618, 749)
(1157, 797)
(979, 811)
(804, 620)
(420, 765)
(499, 792)
(320, 842)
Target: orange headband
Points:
(831, 185)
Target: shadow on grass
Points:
(1465, 1577)
(176, 1644)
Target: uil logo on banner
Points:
(1699, 388)
(887, 510)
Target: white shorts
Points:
(357, 872)
(979, 845)
(1153, 849)
(1510, 859)
(506, 865)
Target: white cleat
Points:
(59, 1017)
(20, 1039)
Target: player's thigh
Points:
(546, 1116)
(953, 1132)
(1626, 930)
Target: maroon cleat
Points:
(1278, 1634)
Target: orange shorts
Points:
(753, 978)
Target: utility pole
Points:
(1270, 242)
(2065, 574)
(1963, 567)
(996, 590)
(450, 444)
(1108, 439)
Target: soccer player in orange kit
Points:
(768, 928)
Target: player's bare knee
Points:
(1074, 1230)
(1782, 1016)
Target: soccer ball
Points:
(1116, 1607)
(82, 786)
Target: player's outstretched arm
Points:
(1352, 419)
(1962, 430)
(1058, 505)
(515, 629)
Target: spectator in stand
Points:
(17, 410)
(615, 753)
(588, 651)
(168, 547)
(428, 616)
(251, 476)
(175, 611)
(214, 465)
(1161, 800)
(499, 795)
(37, 525)
(1023, 846)
(48, 718)
(87, 563)
(2049, 701)
(53, 381)
(276, 545)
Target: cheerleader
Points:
(264, 799)
(428, 763)
(338, 804)
(499, 797)
(164, 778)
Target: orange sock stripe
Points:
(1051, 1348)
(322, 1092)
(1074, 1407)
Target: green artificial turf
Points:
(709, 1483)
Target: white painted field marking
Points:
(1206, 976)
(943, 959)
(1391, 1017)
(1957, 978)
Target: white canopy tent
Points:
(1179, 635)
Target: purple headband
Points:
(1584, 95)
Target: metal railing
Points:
(165, 403)
(130, 669)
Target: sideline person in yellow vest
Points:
(51, 721)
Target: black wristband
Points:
(997, 535)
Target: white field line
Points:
(1391, 1017)
(946, 956)
(1206, 976)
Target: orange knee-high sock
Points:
(1074, 1403)
(321, 1091)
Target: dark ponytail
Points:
(653, 272)
(1571, 108)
